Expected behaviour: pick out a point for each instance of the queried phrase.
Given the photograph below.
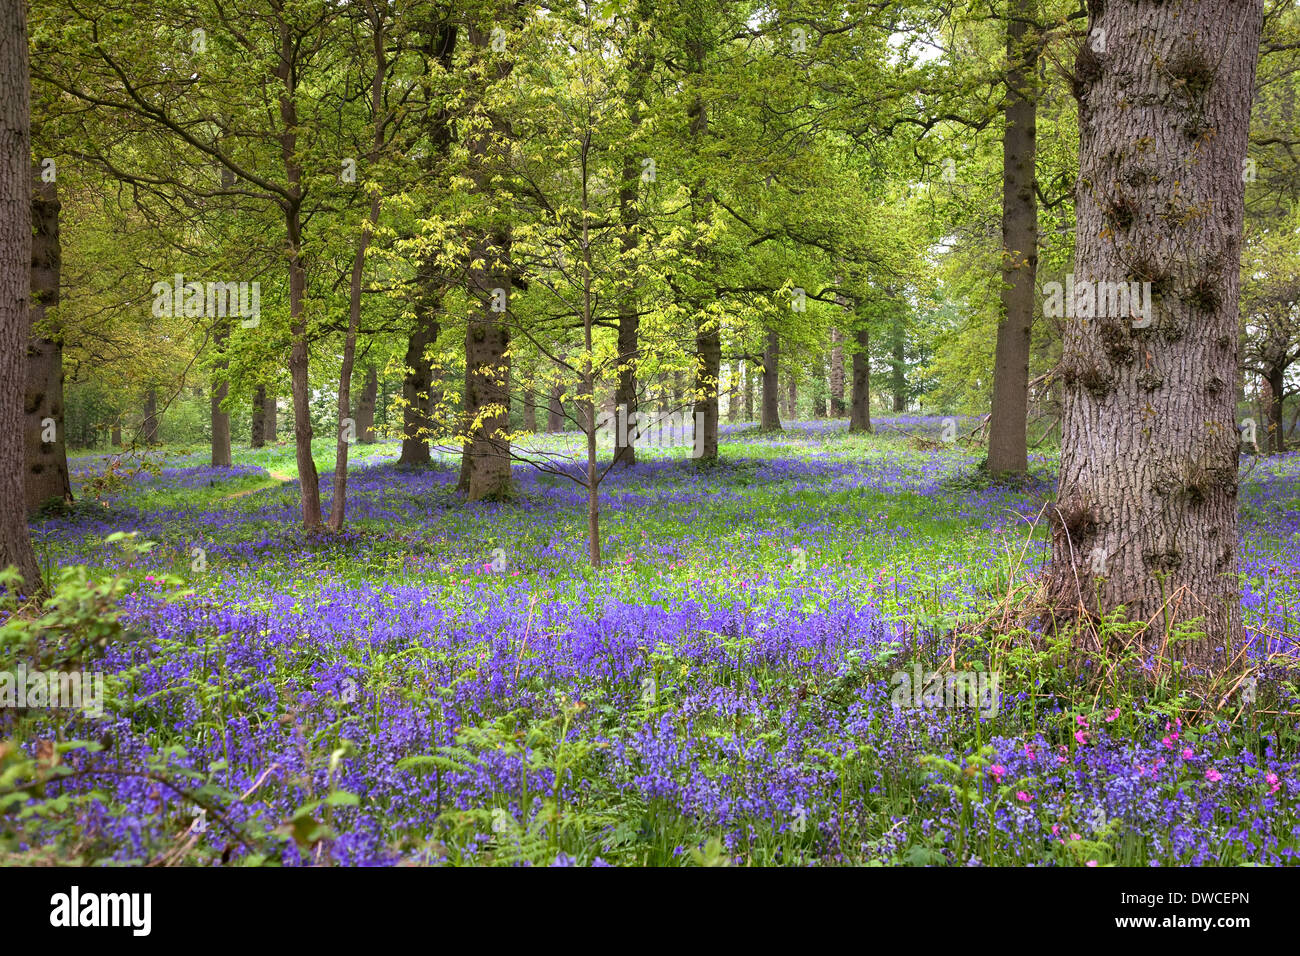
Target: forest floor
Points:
(453, 682)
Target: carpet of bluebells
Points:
(447, 682)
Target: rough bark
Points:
(46, 462)
(15, 287)
(770, 415)
(838, 408)
(1147, 493)
(1008, 451)
(485, 460)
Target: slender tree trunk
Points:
(365, 413)
(379, 118)
(792, 405)
(860, 400)
(1146, 510)
(257, 439)
(45, 437)
(771, 412)
(15, 288)
(299, 372)
(1008, 451)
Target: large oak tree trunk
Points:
(15, 287)
(45, 440)
(1008, 451)
(1147, 496)
(485, 460)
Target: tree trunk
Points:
(379, 120)
(257, 436)
(749, 391)
(15, 288)
(45, 438)
(1146, 511)
(837, 374)
(792, 403)
(365, 413)
(530, 406)
(555, 410)
(485, 460)
(299, 377)
(1008, 451)
(270, 415)
(115, 435)
(771, 413)
(220, 388)
(419, 395)
(417, 390)
(1276, 393)
(149, 421)
(899, 369)
(860, 400)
